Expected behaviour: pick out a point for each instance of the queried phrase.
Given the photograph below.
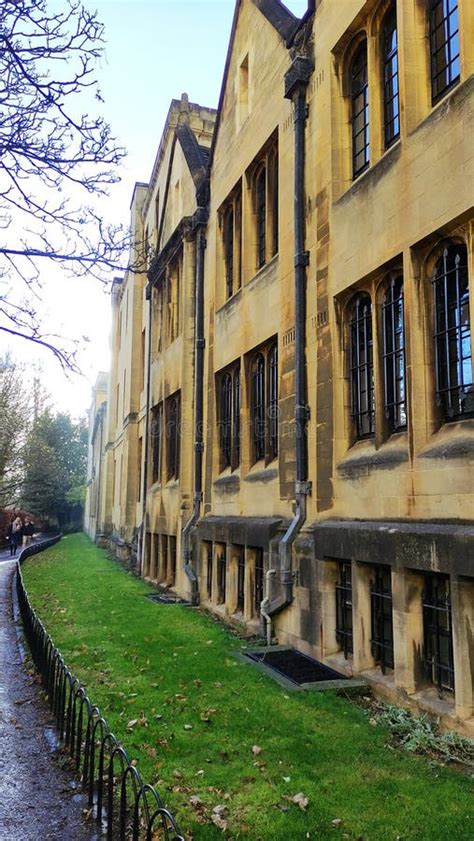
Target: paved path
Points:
(39, 801)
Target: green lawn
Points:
(164, 667)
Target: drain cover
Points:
(164, 598)
(295, 666)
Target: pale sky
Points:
(156, 50)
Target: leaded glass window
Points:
(273, 401)
(394, 356)
(362, 367)
(261, 200)
(258, 406)
(444, 46)
(453, 359)
(360, 111)
(391, 101)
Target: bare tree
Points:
(55, 159)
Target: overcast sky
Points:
(156, 50)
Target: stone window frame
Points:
(264, 441)
(231, 263)
(229, 422)
(368, 28)
(265, 165)
(425, 258)
(172, 416)
(375, 286)
(386, 307)
(434, 26)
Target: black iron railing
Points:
(125, 806)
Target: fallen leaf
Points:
(336, 822)
(188, 726)
(256, 750)
(300, 801)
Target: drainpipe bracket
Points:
(301, 259)
(302, 412)
(199, 447)
(201, 343)
(303, 488)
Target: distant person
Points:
(15, 534)
(28, 531)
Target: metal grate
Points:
(295, 666)
(164, 598)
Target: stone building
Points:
(296, 452)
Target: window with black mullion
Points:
(444, 46)
(453, 360)
(258, 406)
(390, 76)
(362, 367)
(229, 251)
(381, 617)
(394, 355)
(360, 111)
(344, 634)
(229, 418)
(261, 189)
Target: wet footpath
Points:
(39, 798)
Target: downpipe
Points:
(296, 81)
(200, 220)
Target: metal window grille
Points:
(362, 367)
(360, 111)
(273, 401)
(229, 250)
(259, 578)
(454, 384)
(209, 570)
(225, 420)
(221, 576)
(437, 632)
(344, 633)
(261, 202)
(381, 617)
(241, 580)
(173, 437)
(258, 406)
(444, 46)
(156, 428)
(391, 100)
(394, 355)
(236, 419)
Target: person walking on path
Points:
(15, 534)
(28, 531)
(38, 798)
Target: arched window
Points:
(362, 366)
(444, 46)
(173, 436)
(225, 421)
(391, 103)
(229, 417)
(360, 110)
(258, 407)
(236, 420)
(273, 191)
(394, 356)
(273, 401)
(261, 210)
(454, 383)
(229, 250)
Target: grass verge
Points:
(212, 731)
